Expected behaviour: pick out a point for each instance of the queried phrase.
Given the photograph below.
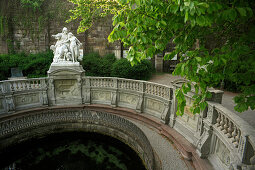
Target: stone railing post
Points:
(205, 130)
(51, 91)
(173, 109)
(87, 90)
(165, 117)
(139, 106)
(9, 103)
(44, 99)
(114, 93)
(79, 85)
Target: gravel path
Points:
(170, 158)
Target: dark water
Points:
(72, 151)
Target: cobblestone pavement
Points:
(170, 158)
(227, 100)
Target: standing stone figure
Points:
(74, 46)
(66, 48)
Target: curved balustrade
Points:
(216, 133)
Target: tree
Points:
(215, 40)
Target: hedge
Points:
(32, 65)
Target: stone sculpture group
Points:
(66, 48)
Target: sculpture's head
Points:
(70, 35)
(65, 30)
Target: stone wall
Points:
(35, 38)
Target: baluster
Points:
(15, 86)
(39, 84)
(92, 82)
(164, 92)
(160, 91)
(222, 123)
(234, 134)
(20, 85)
(102, 82)
(25, 85)
(29, 85)
(237, 138)
(218, 119)
(156, 90)
(225, 131)
(230, 129)
(95, 82)
(35, 84)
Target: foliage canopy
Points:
(215, 40)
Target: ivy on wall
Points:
(31, 16)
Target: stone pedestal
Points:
(65, 83)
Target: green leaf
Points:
(186, 16)
(203, 105)
(199, 59)
(242, 11)
(200, 20)
(174, 8)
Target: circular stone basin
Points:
(72, 151)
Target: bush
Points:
(142, 71)
(95, 65)
(32, 65)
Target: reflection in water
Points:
(72, 151)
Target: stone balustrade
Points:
(217, 133)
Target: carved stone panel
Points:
(188, 117)
(101, 95)
(128, 98)
(222, 152)
(66, 88)
(25, 99)
(1, 104)
(154, 105)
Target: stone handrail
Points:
(214, 132)
(22, 85)
(238, 134)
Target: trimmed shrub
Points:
(142, 71)
(122, 68)
(95, 65)
(32, 65)
(91, 63)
